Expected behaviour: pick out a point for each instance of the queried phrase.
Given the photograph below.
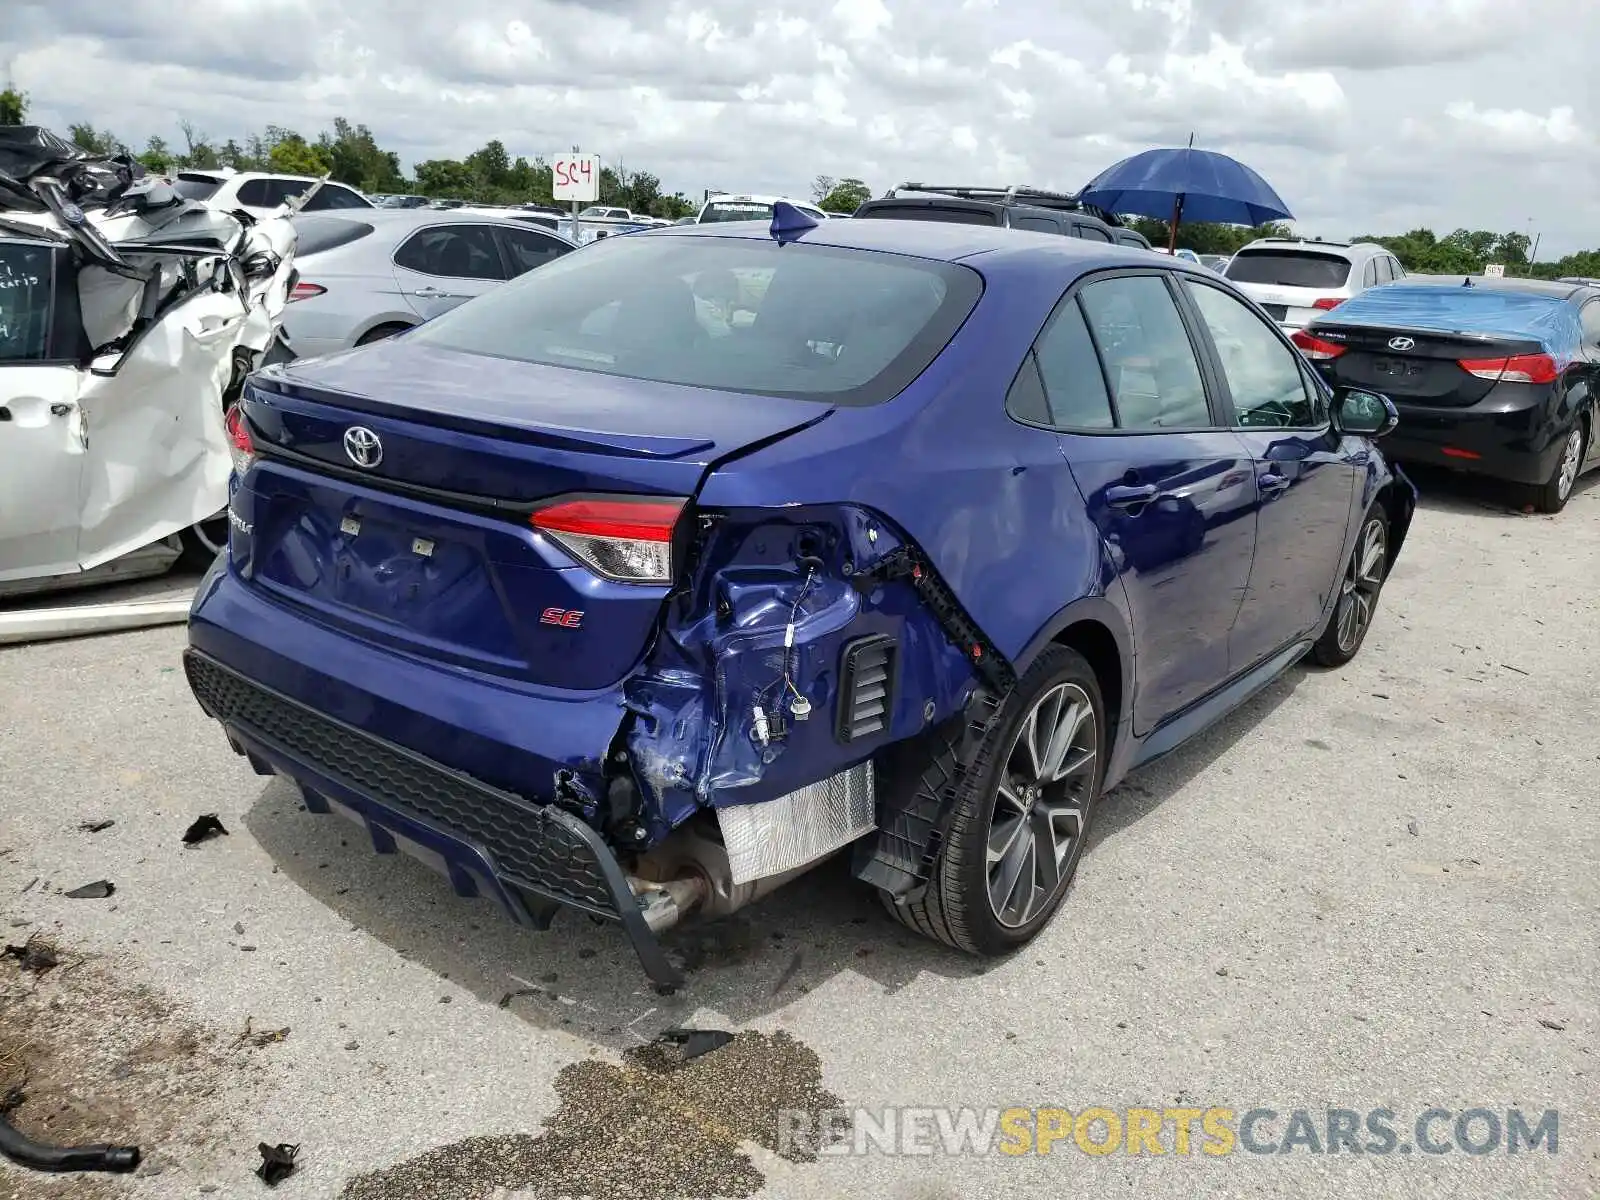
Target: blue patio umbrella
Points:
(1172, 184)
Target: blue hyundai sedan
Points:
(644, 583)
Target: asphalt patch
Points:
(654, 1127)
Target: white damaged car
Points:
(129, 317)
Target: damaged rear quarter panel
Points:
(724, 652)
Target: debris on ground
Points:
(37, 954)
(692, 1043)
(654, 1127)
(264, 1037)
(1558, 1026)
(86, 1055)
(205, 826)
(39, 1156)
(96, 826)
(277, 1162)
(98, 890)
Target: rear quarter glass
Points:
(830, 324)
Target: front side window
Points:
(453, 251)
(27, 279)
(1149, 361)
(1263, 373)
(735, 314)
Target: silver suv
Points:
(1297, 281)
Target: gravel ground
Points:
(1369, 888)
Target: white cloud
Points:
(1367, 115)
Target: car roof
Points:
(938, 240)
(1337, 249)
(391, 219)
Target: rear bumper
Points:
(1519, 444)
(530, 858)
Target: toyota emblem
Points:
(1395, 343)
(363, 446)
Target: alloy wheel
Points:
(1037, 825)
(211, 534)
(1358, 593)
(1571, 460)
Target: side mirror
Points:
(1364, 413)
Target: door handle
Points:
(1271, 483)
(60, 410)
(432, 293)
(1131, 495)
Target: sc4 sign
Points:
(576, 177)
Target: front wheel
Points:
(1021, 815)
(1363, 580)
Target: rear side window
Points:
(744, 315)
(1037, 224)
(526, 249)
(452, 251)
(1150, 362)
(1369, 274)
(1074, 385)
(1282, 268)
(934, 212)
(27, 286)
(195, 187)
(319, 234)
(331, 195)
(1092, 233)
(269, 193)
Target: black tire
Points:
(202, 542)
(1360, 585)
(957, 906)
(1552, 495)
(379, 333)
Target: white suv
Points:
(1297, 281)
(259, 193)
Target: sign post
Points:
(575, 177)
(1494, 270)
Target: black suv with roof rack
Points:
(1013, 207)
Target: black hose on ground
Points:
(23, 1150)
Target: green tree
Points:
(846, 195)
(444, 177)
(95, 141)
(292, 155)
(357, 159)
(13, 106)
(156, 157)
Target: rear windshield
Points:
(325, 233)
(195, 187)
(1289, 268)
(931, 212)
(736, 314)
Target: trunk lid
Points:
(1419, 365)
(417, 534)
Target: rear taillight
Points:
(1327, 303)
(240, 443)
(1519, 368)
(305, 291)
(621, 537)
(1315, 347)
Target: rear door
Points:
(42, 444)
(1170, 490)
(1306, 476)
(442, 266)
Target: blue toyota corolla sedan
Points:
(646, 582)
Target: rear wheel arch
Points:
(1096, 629)
(384, 329)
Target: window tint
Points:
(456, 251)
(269, 193)
(195, 187)
(1369, 274)
(526, 250)
(27, 278)
(1074, 385)
(739, 314)
(1289, 268)
(1263, 374)
(1149, 360)
(332, 196)
(1037, 224)
(1092, 233)
(319, 234)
